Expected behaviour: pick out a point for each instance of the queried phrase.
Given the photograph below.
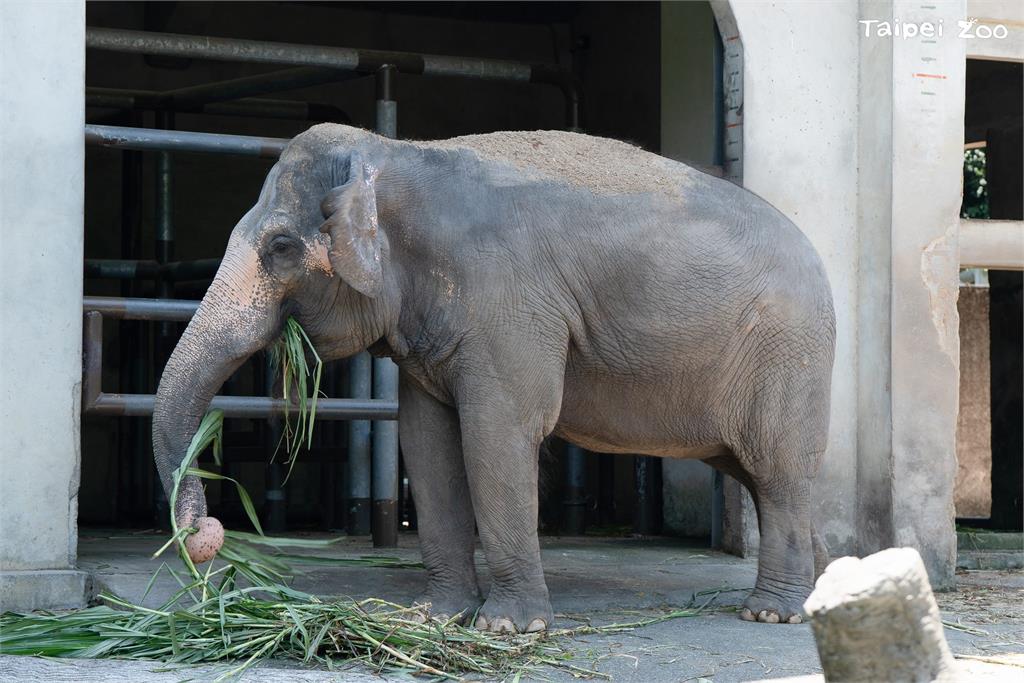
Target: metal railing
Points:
(97, 402)
(311, 65)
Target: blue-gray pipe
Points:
(385, 372)
(359, 371)
(574, 521)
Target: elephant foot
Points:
(446, 605)
(770, 608)
(515, 615)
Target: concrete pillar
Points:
(42, 79)
(910, 155)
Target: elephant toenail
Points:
(502, 625)
(536, 625)
(795, 619)
(767, 617)
(747, 615)
(480, 623)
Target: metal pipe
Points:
(575, 504)
(260, 84)
(647, 516)
(359, 371)
(141, 309)
(275, 500)
(136, 269)
(115, 98)
(183, 141)
(198, 269)
(258, 407)
(264, 52)
(163, 253)
(349, 59)
(385, 372)
(121, 269)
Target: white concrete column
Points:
(928, 76)
(42, 81)
(911, 102)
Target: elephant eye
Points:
(282, 245)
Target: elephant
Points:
(530, 284)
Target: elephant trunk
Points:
(231, 324)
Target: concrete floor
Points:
(603, 579)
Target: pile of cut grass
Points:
(241, 610)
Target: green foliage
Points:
(975, 202)
(288, 355)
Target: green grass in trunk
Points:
(240, 609)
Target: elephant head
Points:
(310, 248)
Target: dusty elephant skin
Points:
(529, 284)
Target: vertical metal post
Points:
(275, 501)
(385, 372)
(575, 504)
(647, 473)
(164, 254)
(359, 370)
(606, 488)
(135, 456)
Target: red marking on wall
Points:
(940, 76)
(733, 125)
(732, 38)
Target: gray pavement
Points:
(600, 579)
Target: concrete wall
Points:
(41, 193)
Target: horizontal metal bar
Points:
(117, 98)
(259, 84)
(120, 269)
(132, 269)
(141, 309)
(263, 52)
(251, 407)
(183, 141)
(996, 244)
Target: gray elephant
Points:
(529, 284)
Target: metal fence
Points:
(373, 454)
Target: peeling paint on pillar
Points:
(940, 265)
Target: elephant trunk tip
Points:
(203, 545)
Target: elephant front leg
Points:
(500, 450)
(432, 452)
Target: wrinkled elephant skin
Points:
(530, 284)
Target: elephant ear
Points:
(351, 213)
